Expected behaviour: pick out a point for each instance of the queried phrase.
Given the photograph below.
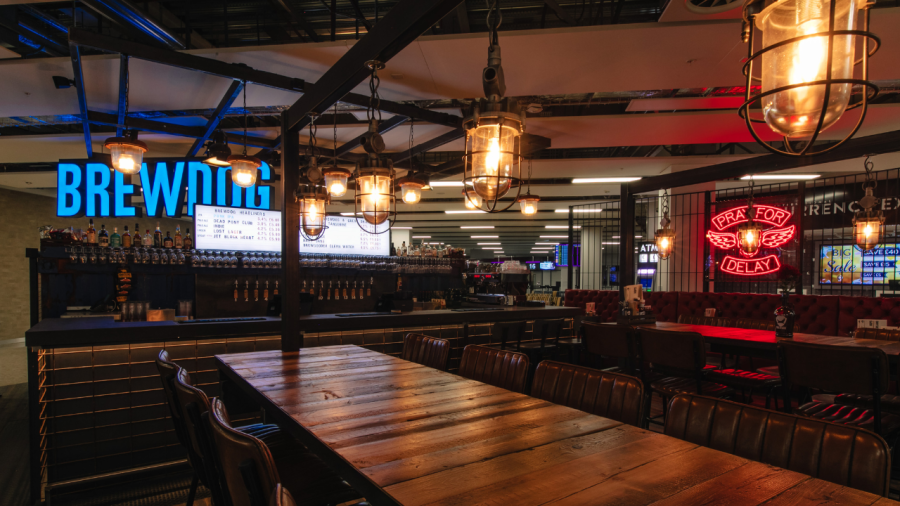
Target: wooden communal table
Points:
(406, 434)
(762, 342)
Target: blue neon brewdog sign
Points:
(91, 188)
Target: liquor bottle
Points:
(168, 242)
(137, 241)
(126, 238)
(179, 243)
(103, 237)
(188, 241)
(115, 240)
(157, 237)
(91, 233)
(148, 239)
(784, 318)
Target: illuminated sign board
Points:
(775, 237)
(92, 189)
(227, 228)
(848, 265)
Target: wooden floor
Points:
(14, 445)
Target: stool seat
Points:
(849, 415)
(738, 378)
(889, 402)
(771, 370)
(672, 386)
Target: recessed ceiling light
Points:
(485, 236)
(467, 211)
(479, 226)
(580, 210)
(488, 243)
(438, 184)
(562, 226)
(402, 228)
(610, 243)
(554, 237)
(546, 243)
(804, 177)
(605, 180)
(617, 237)
(421, 237)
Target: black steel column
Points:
(707, 263)
(570, 256)
(626, 239)
(291, 338)
(801, 257)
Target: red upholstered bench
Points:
(875, 308)
(606, 302)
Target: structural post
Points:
(707, 263)
(291, 337)
(570, 256)
(626, 241)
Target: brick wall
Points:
(22, 214)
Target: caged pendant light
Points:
(335, 177)
(375, 203)
(126, 152)
(665, 236)
(868, 222)
(244, 168)
(311, 193)
(217, 150)
(528, 203)
(413, 183)
(806, 60)
(494, 126)
(749, 233)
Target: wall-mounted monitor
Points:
(848, 265)
(236, 229)
(548, 266)
(344, 237)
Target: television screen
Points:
(848, 265)
(547, 266)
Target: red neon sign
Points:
(771, 238)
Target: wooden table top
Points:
(406, 434)
(766, 338)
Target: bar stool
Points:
(611, 341)
(508, 332)
(677, 362)
(548, 332)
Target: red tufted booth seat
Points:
(815, 314)
(664, 304)
(875, 308)
(606, 302)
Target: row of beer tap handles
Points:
(341, 289)
(265, 293)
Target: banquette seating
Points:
(827, 315)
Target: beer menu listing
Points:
(344, 237)
(233, 229)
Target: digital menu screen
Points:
(548, 266)
(848, 265)
(234, 229)
(344, 237)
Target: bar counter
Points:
(95, 397)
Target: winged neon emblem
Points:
(722, 240)
(770, 238)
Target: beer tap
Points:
(256, 292)
(247, 291)
(353, 292)
(346, 287)
(329, 290)
(235, 290)
(321, 289)
(266, 292)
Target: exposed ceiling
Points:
(655, 92)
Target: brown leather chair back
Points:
(167, 372)
(675, 353)
(606, 394)
(507, 333)
(613, 341)
(248, 471)
(845, 369)
(282, 497)
(879, 334)
(426, 350)
(188, 394)
(504, 369)
(837, 453)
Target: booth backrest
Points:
(827, 315)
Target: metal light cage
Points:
(335, 178)
(749, 236)
(665, 242)
(751, 10)
(127, 152)
(412, 184)
(313, 199)
(375, 201)
(501, 115)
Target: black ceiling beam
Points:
(360, 16)
(172, 58)
(407, 20)
(383, 127)
(437, 142)
(887, 142)
(299, 19)
(560, 12)
(75, 54)
(160, 127)
(410, 111)
(123, 93)
(230, 96)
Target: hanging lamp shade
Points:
(127, 152)
(472, 200)
(218, 151)
(806, 67)
(411, 188)
(528, 204)
(244, 169)
(336, 180)
(749, 237)
(375, 201)
(312, 198)
(665, 242)
(868, 223)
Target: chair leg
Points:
(193, 490)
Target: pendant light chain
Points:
(412, 123)
(666, 204)
(374, 98)
(245, 116)
(334, 152)
(127, 90)
(529, 174)
(494, 19)
(870, 179)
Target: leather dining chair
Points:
(677, 363)
(250, 470)
(168, 370)
(426, 350)
(607, 394)
(859, 373)
(611, 341)
(504, 369)
(842, 454)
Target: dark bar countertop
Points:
(66, 332)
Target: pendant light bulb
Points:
(868, 222)
(126, 153)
